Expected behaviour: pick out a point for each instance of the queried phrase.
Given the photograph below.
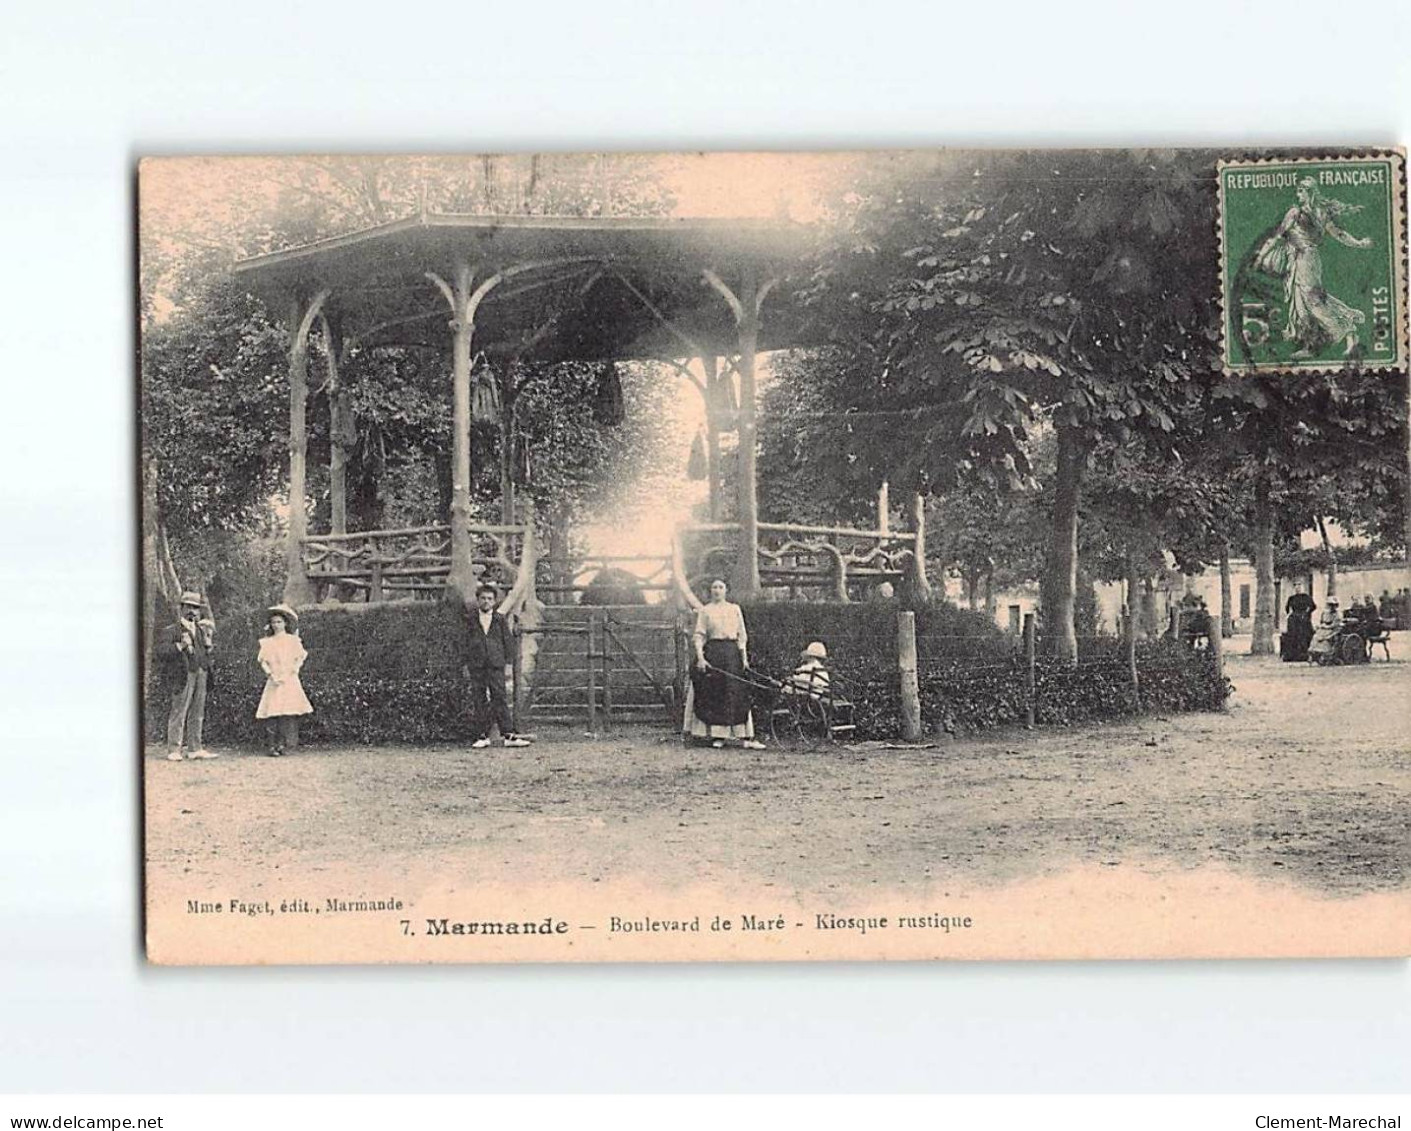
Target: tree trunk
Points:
(990, 597)
(342, 433)
(746, 580)
(1062, 574)
(151, 570)
(713, 395)
(1149, 619)
(558, 552)
(1406, 494)
(1130, 628)
(1227, 620)
(1263, 642)
(506, 465)
(297, 590)
(1332, 558)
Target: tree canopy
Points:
(215, 391)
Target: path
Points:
(1306, 778)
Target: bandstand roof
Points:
(576, 300)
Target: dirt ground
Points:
(1306, 778)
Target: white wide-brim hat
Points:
(289, 615)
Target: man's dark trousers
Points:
(487, 655)
(488, 696)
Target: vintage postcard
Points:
(885, 555)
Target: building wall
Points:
(1357, 582)
(1353, 584)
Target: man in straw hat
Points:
(186, 647)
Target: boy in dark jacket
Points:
(489, 656)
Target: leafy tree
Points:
(1022, 290)
(1313, 446)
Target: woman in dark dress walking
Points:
(1298, 633)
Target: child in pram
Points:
(810, 678)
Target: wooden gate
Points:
(606, 665)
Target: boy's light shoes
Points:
(515, 740)
(174, 756)
(751, 744)
(480, 744)
(204, 754)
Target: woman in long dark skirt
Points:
(718, 700)
(1298, 630)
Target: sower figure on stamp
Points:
(489, 655)
(185, 648)
(1292, 253)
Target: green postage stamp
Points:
(1312, 262)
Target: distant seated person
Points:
(810, 677)
(1365, 619)
(1329, 625)
(1195, 623)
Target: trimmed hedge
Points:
(859, 632)
(376, 673)
(961, 698)
(390, 673)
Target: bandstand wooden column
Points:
(303, 312)
(386, 278)
(341, 434)
(745, 306)
(463, 303)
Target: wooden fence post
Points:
(910, 687)
(605, 645)
(683, 671)
(1130, 629)
(1030, 683)
(1217, 647)
(592, 661)
(1133, 676)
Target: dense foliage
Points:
(390, 673)
(960, 697)
(1036, 332)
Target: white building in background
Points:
(1354, 584)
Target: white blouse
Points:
(721, 620)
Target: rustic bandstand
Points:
(537, 288)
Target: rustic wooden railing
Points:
(413, 560)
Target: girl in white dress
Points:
(281, 656)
